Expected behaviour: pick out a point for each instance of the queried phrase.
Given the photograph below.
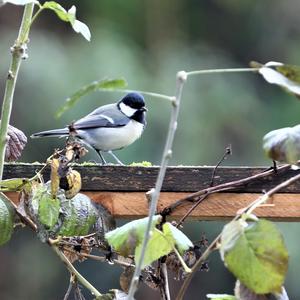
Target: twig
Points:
(72, 270)
(248, 210)
(180, 80)
(164, 272)
(69, 290)
(221, 188)
(18, 53)
(216, 71)
(226, 153)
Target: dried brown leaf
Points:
(16, 141)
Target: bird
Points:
(109, 127)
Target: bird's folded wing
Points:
(105, 119)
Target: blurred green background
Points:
(147, 42)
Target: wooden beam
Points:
(178, 179)
(221, 206)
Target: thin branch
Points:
(221, 188)
(214, 71)
(248, 210)
(69, 290)
(72, 270)
(18, 53)
(180, 80)
(164, 272)
(225, 155)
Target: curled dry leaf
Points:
(16, 141)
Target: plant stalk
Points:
(18, 53)
(167, 154)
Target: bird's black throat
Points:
(139, 116)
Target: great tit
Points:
(109, 127)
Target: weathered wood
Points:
(178, 179)
(133, 205)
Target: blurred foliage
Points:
(147, 42)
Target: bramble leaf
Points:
(48, 210)
(283, 144)
(13, 184)
(7, 216)
(126, 238)
(69, 16)
(286, 76)
(104, 84)
(258, 257)
(177, 237)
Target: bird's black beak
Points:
(144, 109)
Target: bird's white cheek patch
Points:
(127, 110)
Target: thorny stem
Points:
(180, 80)
(18, 53)
(248, 210)
(73, 271)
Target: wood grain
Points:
(178, 179)
(221, 206)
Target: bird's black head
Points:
(133, 106)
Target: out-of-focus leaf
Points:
(7, 216)
(283, 144)
(16, 141)
(13, 184)
(48, 210)
(286, 76)
(104, 84)
(69, 16)
(259, 258)
(177, 237)
(126, 238)
(221, 297)
(58, 9)
(20, 2)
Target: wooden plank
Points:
(133, 205)
(178, 179)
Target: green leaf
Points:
(286, 76)
(258, 257)
(104, 84)
(48, 210)
(7, 216)
(58, 9)
(69, 16)
(77, 25)
(13, 184)
(283, 144)
(20, 2)
(127, 238)
(158, 246)
(221, 297)
(177, 237)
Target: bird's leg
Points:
(115, 157)
(103, 161)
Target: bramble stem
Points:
(214, 71)
(167, 154)
(18, 53)
(73, 271)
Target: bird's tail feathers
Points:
(50, 133)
